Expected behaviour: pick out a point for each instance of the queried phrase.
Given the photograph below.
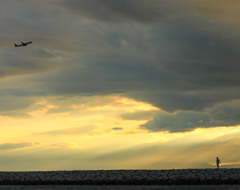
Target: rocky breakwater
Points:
(124, 177)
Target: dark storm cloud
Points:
(182, 65)
(182, 97)
(26, 60)
(180, 122)
(188, 51)
(124, 10)
(114, 74)
(184, 69)
(228, 113)
(170, 54)
(223, 114)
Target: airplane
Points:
(23, 44)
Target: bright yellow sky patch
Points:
(94, 124)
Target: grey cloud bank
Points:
(118, 11)
(160, 52)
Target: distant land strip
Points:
(124, 177)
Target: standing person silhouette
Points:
(218, 162)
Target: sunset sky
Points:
(119, 84)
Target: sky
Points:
(119, 84)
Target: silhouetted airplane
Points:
(23, 44)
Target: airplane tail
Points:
(15, 45)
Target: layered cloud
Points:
(117, 11)
(225, 114)
(182, 57)
(10, 146)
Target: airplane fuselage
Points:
(23, 44)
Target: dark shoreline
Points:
(124, 177)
